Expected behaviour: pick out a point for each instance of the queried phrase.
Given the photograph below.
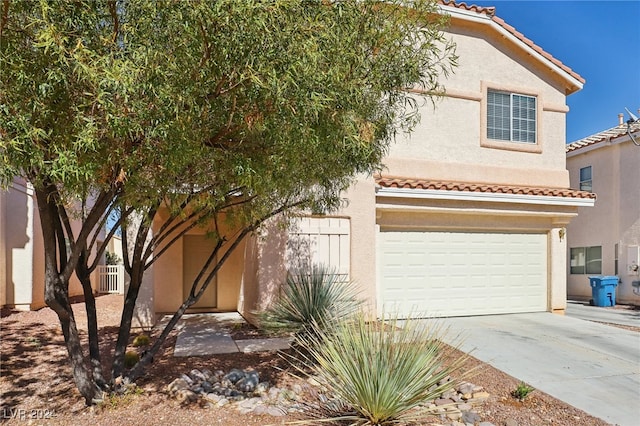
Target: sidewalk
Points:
(210, 334)
(623, 315)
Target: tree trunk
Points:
(57, 298)
(124, 331)
(56, 294)
(92, 320)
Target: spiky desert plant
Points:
(310, 299)
(380, 373)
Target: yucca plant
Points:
(380, 373)
(314, 298)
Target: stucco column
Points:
(20, 214)
(558, 269)
(144, 312)
(362, 213)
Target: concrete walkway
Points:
(210, 334)
(612, 315)
(591, 366)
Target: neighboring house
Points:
(22, 250)
(468, 217)
(605, 240)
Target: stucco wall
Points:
(22, 251)
(448, 142)
(615, 219)
(167, 280)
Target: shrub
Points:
(141, 340)
(310, 299)
(131, 358)
(112, 258)
(522, 391)
(381, 372)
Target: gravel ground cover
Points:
(36, 385)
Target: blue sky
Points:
(600, 40)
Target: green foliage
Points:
(522, 391)
(381, 372)
(227, 111)
(312, 298)
(141, 340)
(282, 100)
(112, 258)
(121, 399)
(131, 358)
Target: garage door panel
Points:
(456, 273)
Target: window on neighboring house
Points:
(615, 259)
(511, 117)
(586, 260)
(585, 179)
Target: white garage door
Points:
(461, 273)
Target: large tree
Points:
(184, 113)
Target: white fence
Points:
(111, 278)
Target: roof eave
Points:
(439, 194)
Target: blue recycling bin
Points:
(603, 290)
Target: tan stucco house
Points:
(468, 216)
(605, 239)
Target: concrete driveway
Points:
(591, 366)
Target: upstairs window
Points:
(586, 183)
(511, 117)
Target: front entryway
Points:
(196, 251)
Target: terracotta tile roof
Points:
(611, 133)
(412, 183)
(490, 12)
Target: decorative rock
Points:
(470, 417)
(443, 401)
(449, 394)
(186, 396)
(464, 407)
(262, 388)
(260, 410)
(510, 422)
(481, 395)
(206, 387)
(248, 383)
(486, 424)
(234, 375)
(275, 411)
(197, 375)
(243, 390)
(177, 384)
(187, 379)
(466, 388)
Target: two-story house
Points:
(605, 239)
(468, 216)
